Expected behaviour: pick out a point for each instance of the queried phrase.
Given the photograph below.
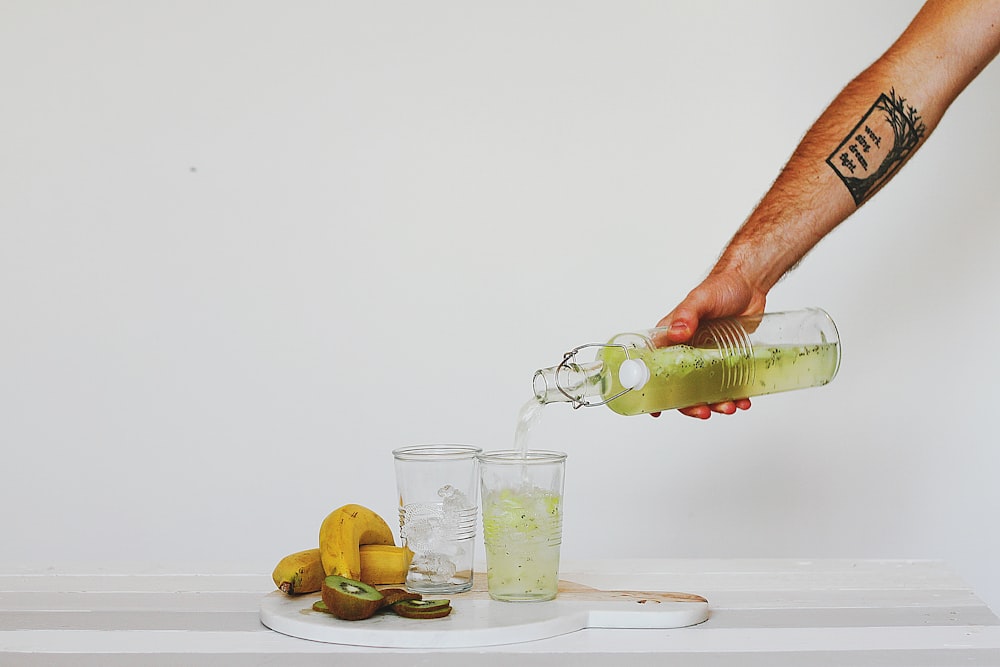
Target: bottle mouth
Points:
(545, 391)
(569, 382)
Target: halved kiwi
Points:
(423, 608)
(350, 600)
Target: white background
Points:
(247, 248)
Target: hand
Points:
(722, 294)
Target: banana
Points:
(384, 564)
(300, 572)
(342, 534)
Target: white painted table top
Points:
(762, 612)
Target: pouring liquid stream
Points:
(529, 415)
(527, 418)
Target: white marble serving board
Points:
(477, 620)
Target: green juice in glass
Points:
(522, 528)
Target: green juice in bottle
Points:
(725, 360)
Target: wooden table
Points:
(763, 612)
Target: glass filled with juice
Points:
(522, 499)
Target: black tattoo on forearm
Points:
(877, 146)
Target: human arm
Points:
(876, 123)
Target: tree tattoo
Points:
(877, 146)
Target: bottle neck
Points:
(569, 383)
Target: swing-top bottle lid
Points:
(633, 374)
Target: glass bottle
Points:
(726, 359)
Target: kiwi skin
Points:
(423, 608)
(394, 595)
(391, 595)
(350, 600)
(406, 611)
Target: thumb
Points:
(680, 324)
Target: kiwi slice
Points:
(423, 608)
(319, 605)
(394, 595)
(350, 600)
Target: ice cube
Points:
(432, 566)
(453, 503)
(422, 527)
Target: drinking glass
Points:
(438, 488)
(522, 498)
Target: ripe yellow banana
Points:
(381, 564)
(384, 564)
(300, 572)
(343, 533)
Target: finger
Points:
(679, 326)
(683, 320)
(730, 407)
(697, 411)
(724, 408)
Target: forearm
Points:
(862, 139)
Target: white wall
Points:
(247, 248)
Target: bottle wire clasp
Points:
(570, 358)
